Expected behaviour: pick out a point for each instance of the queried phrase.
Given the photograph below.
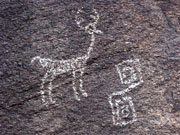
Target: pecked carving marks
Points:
(74, 65)
(123, 110)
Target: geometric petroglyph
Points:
(130, 73)
(57, 67)
(123, 111)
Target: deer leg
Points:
(50, 88)
(81, 84)
(42, 92)
(47, 92)
(76, 94)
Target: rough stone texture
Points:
(145, 29)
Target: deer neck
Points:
(90, 49)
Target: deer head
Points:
(88, 23)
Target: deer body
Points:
(74, 65)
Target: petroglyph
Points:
(123, 111)
(74, 65)
(130, 73)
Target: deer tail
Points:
(35, 58)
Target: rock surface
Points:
(148, 30)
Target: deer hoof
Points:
(85, 94)
(77, 98)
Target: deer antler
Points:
(79, 20)
(91, 27)
(96, 17)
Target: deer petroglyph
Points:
(74, 65)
